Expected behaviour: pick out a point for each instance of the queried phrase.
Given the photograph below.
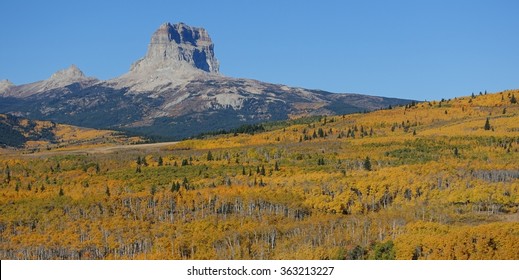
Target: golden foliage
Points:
(423, 181)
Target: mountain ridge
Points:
(174, 91)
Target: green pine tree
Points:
(367, 164)
(487, 124)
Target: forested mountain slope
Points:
(33, 135)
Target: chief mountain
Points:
(174, 91)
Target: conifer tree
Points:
(487, 124)
(367, 164)
(7, 172)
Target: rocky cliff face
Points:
(173, 47)
(176, 53)
(174, 91)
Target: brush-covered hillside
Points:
(433, 180)
(34, 135)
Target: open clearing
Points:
(95, 150)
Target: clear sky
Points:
(423, 50)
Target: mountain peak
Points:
(178, 47)
(70, 73)
(61, 78)
(177, 53)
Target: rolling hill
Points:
(33, 135)
(431, 180)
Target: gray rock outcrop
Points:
(5, 85)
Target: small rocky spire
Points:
(5, 85)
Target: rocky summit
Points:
(174, 91)
(176, 54)
(173, 46)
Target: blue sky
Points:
(423, 50)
